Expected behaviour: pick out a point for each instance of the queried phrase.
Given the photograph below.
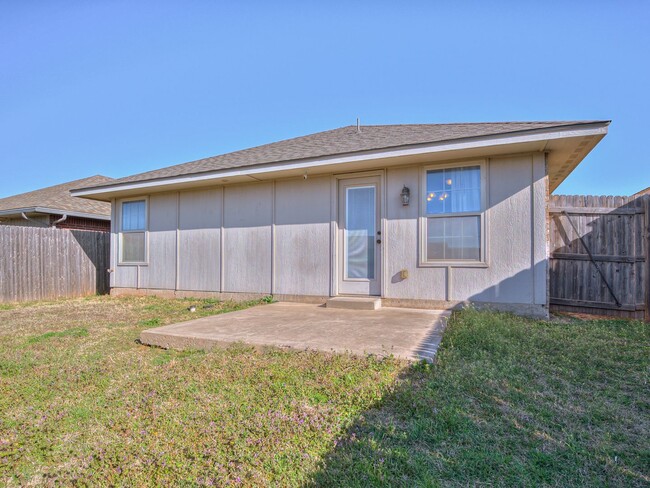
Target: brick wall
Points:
(80, 223)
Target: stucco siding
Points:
(401, 239)
(508, 277)
(515, 270)
(302, 237)
(540, 229)
(199, 240)
(247, 257)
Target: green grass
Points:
(74, 332)
(98, 408)
(509, 402)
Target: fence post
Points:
(646, 246)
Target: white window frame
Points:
(482, 262)
(121, 231)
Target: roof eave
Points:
(598, 129)
(52, 211)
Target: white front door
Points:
(359, 236)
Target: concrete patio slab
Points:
(411, 334)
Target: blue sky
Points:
(117, 88)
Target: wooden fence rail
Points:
(44, 263)
(600, 255)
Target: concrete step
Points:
(355, 303)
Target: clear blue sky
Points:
(118, 88)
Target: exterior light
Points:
(406, 196)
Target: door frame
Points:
(335, 251)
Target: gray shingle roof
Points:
(344, 140)
(58, 198)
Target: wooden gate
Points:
(599, 255)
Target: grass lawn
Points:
(509, 402)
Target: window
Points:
(133, 231)
(360, 232)
(453, 218)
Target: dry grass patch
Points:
(82, 402)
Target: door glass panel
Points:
(360, 232)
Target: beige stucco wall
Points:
(515, 235)
(276, 238)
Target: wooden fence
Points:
(600, 255)
(43, 263)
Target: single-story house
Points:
(427, 215)
(55, 207)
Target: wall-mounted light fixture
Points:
(406, 196)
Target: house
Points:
(430, 215)
(55, 207)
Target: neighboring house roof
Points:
(57, 200)
(369, 140)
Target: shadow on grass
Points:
(505, 404)
(399, 441)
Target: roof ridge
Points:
(345, 140)
(352, 126)
(45, 188)
(563, 122)
(58, 197)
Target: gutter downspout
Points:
(22, 214)
(62, 219)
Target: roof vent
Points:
(358, 126)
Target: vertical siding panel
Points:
(247, 228)
(302, 237)
(160, 272)
(199, 240)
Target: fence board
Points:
(617, 232)
(44, 263)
